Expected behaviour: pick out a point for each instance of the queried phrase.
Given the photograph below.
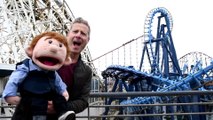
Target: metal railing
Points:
(97, 109)
(118, 96)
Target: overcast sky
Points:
(114, 22)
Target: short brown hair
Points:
(83, 21)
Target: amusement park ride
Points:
(21, 20)
(164, 73)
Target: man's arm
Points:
(81, 103)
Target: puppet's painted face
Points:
(49, 54)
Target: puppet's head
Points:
(49, 51)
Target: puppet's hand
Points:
(14, 100)
(66, 95)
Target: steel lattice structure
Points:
(21, 20)
(166, 73)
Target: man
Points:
(77, 75)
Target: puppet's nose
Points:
(53, 48)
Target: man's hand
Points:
(50, 108)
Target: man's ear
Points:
(29, 51)
(67, 61)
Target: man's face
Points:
(78, 37)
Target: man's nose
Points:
(78, 34)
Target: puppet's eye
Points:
(60, 45)
(50, 41)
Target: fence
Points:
(116, 111)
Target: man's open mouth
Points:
(76, 43)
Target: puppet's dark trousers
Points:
(36, 90)
(36, 106)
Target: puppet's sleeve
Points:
(60, 85)
(15, 79)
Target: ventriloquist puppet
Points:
(35, 80)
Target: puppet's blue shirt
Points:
(17, 77)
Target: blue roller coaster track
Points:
(164, 73)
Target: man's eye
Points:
(75, 31)
(50, 41)
(83, 33)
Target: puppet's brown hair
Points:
(61, 38)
